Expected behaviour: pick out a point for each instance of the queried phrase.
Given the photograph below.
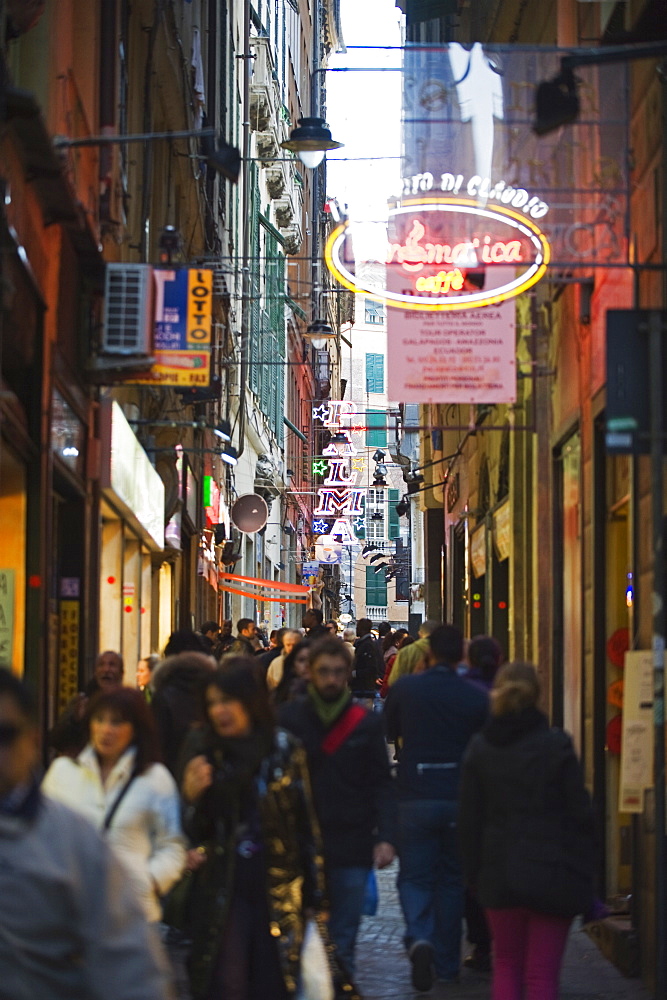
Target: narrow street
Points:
(383, 972)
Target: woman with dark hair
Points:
(249, 806)
(392, 642)
(117, 783)
(294, 678)
(527, 836)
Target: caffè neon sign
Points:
(527, 251)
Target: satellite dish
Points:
(250, 512)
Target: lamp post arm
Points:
(612, 54)
(64, 142)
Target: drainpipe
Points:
(245, 235)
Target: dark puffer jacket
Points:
(292, 854)
(522, 787)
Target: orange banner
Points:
(295, 588)
(263, 597)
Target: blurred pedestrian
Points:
(145, 668)
(70, 923)
(368, 666)
(117, 783)
(185, 640)
(432, 716)
(289, 639)
(294, 679)
(484, 657)
(312, 622)
(352, 787)
(69, 735)
(243, 644)
(414, 659)
(210, 632)
(225, 639)
(247, 787)
(349, 636)
(527, 836)
(176, 702)
(391, 644)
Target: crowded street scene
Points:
(333, 371)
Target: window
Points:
(374, 312)
(376, 516)
(376, 587)
(375, 373)
(376, 429)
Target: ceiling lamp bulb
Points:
(311, 158)
(318, 333)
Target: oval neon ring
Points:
(472, 300)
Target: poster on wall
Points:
(637, 731)
(6, 617)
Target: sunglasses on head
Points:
(9, 733)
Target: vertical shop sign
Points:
(338, 498)
(68, 652)
(6, 617)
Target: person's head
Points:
(405, 640)
(515, 688)
(349, 635)
(427, 627)
(312, 618)
(384, 628)
(226, 628)
(290, 639)
(211, 630)
(246, 628)
(393, 639)
(332, 627)
(274, 642)
(330, 667)
(295, 667)
(145, 668)
(236, 700)
(119, 719)
(485, 654)
(109, 670)
(19, 743)
(445, 645)
(364, 627)
(184, 640)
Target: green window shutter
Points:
(376, 588)
(376, 434)
(254, 357)
(361, 532)
(374, 373)
(394, 526)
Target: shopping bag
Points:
(370, 906)
(315, 980)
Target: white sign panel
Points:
(457, 357)
(637, 739)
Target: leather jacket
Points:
(291, 844)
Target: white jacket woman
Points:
(145, 828)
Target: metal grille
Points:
(128, 306)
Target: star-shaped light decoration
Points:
(320, 466)
(320, 527)
(358, 465)
(359, 523)
(321, 411)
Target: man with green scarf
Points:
(352, 785)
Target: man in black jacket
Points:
(433, 715)
(352, 787)
(368, 666)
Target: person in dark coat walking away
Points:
(247, 786)
(352, 788)
(527, 836)
(433, 716)
(368, 665)
(176, 701)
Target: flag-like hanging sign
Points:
(257, 587)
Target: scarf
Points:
(328, 711)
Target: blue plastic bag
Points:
(370, 906)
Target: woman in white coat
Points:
(117, 783)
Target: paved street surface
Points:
(383, 971)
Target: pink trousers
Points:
(528, 950)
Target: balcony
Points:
(376, 613)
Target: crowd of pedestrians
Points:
(237, 803)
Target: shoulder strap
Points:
(119, 798)
(343, 727)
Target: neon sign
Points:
(337, 497)
(487, 237)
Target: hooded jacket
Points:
(521, 783)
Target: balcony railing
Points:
(376, 613)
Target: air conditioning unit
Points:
(128, 309)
